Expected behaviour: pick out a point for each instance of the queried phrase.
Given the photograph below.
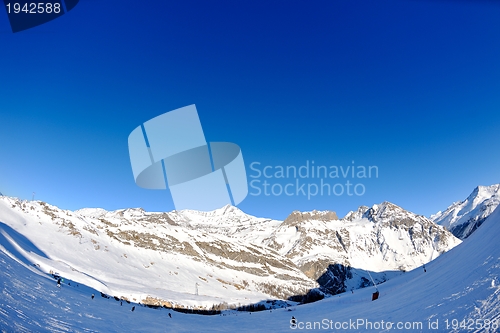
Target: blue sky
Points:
(411, 87)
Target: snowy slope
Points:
(460, 284)
(140, 256)
(192, 258)
(463, 218)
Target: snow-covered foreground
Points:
(461, 284)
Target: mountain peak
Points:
(384, 210)
(463, 218)
(356, 215)
(486, 191)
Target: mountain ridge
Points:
(239, 256)
(462, 218)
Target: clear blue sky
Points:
(412, 87)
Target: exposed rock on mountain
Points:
(340, 254)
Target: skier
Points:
(170, 315)
(133, 308)
(59, 283)
(293, 322)
(92, 296)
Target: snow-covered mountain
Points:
(191, 258)
(458, 292)
(385, 240)
(165, 258)
(463, 218)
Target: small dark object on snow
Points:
(92, 296)
(121, 303)
(293, 322)
(375, 295)
(133, 308)
(170, 315)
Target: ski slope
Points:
(166, 265)
(461, 284)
